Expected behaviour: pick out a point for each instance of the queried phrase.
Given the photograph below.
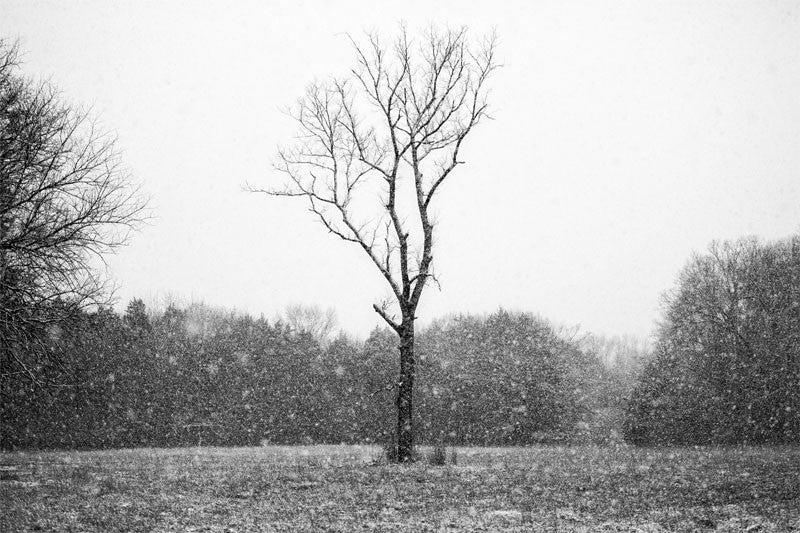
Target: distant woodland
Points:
(724, 367)
(202, 376)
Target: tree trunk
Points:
(405, 431)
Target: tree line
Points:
(197, 375)
(724, 369)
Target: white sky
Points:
(626, 135)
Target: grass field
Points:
(348, 488)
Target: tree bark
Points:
(405, 431)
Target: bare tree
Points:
(313, 320)
(374, 149)
(65, 200)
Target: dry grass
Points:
(343, 488)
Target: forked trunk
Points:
(405, 431)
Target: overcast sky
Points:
(626, 135)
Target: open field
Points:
(346, 488)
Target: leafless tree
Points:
(65, 200)
(374, 149)
(313, 320)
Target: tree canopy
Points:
(727, 362)
(65, 201)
